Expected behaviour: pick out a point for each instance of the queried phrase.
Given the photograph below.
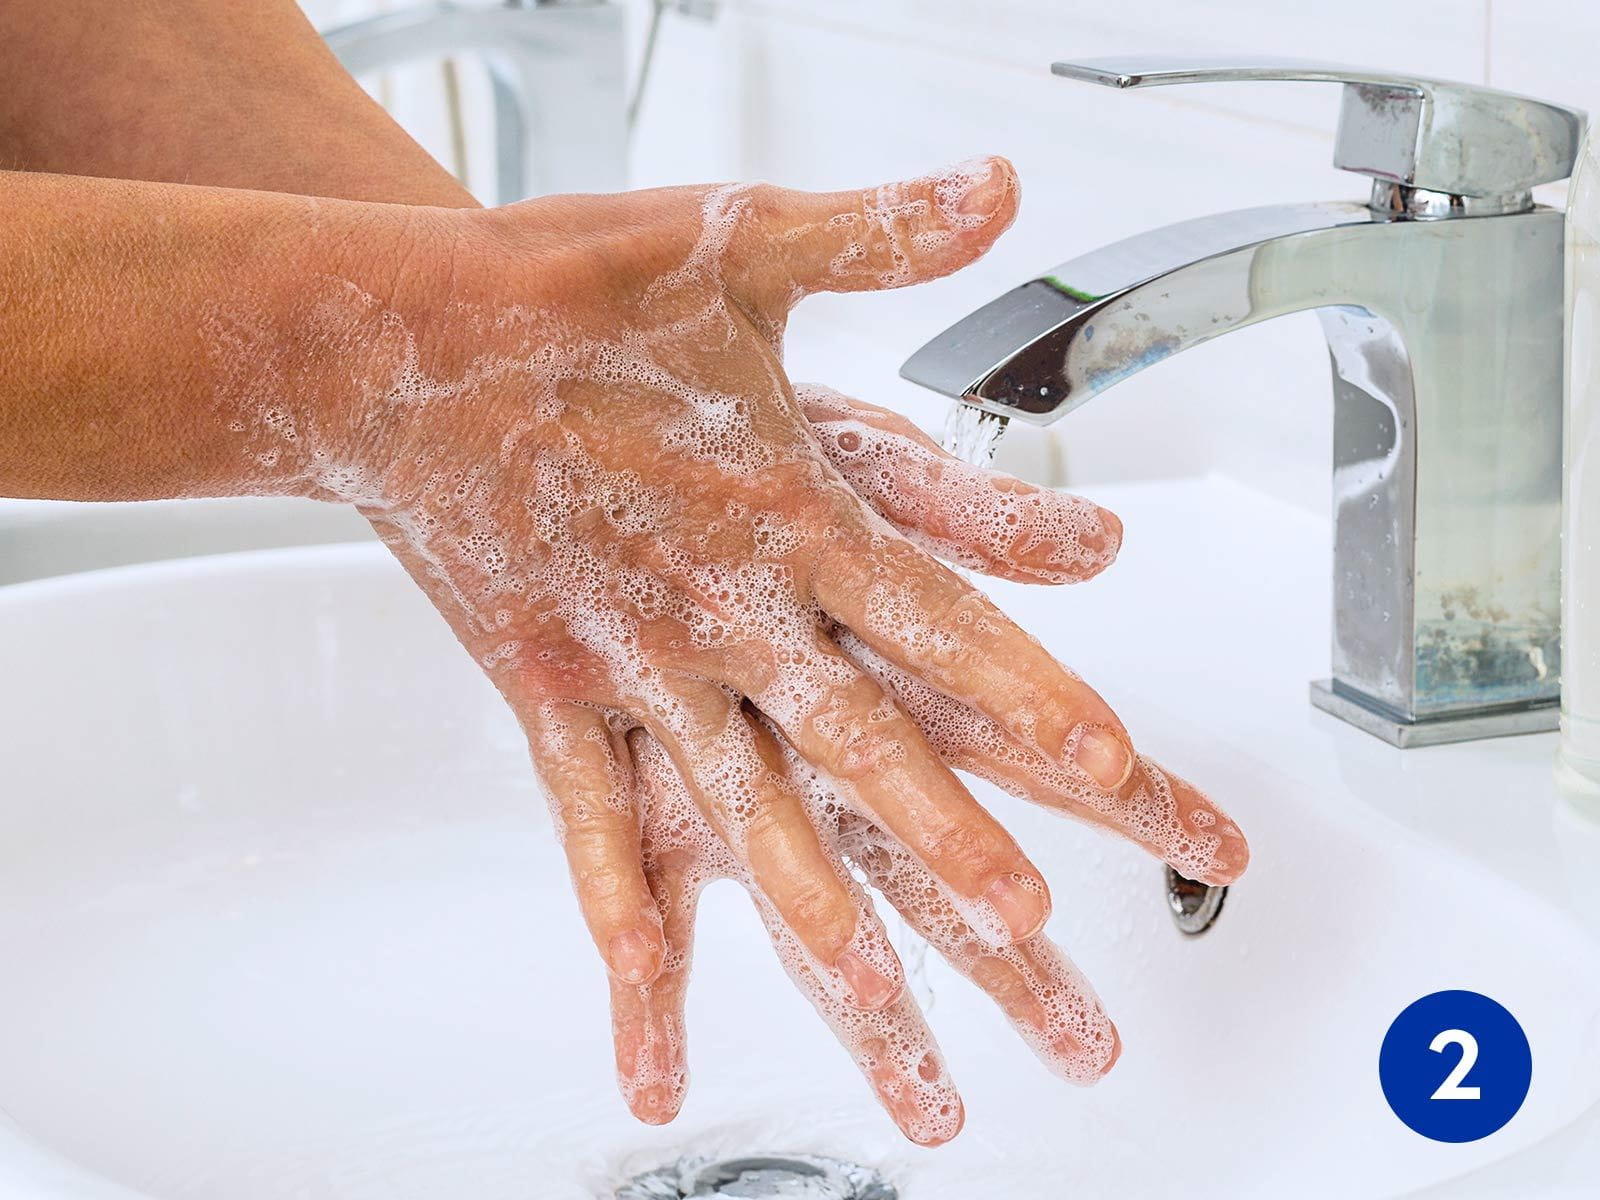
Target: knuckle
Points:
(1009, 990)
(861, 753)
(603, 888)
(960, 845)
(893, 423)
(768, 205)
(750, 666)
(589, 809)
(813, 903)
(823, 403)
(708, 711)
(820, 910)
(588, 821)
(955, 616)
(821, 500)
(860, 731)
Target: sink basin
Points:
(283, 916)
(39, 538)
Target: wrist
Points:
(320, 370)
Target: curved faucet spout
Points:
(1445, 342)
(1042, 349)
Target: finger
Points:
(892, 1046)
(679, 856)
(985, 520)
(647, 1019)
(923, 617)
(1166, 815)
(587, 776)
(1045, 997)
(889, 236)
(735, 772)
(844, 723)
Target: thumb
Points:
(897, 234)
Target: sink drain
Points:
(759, 1177)
(1194, 905)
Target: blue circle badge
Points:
(1455, 1066)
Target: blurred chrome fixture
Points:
(557, 75)
(759, 1177)
(1195, 906)
(1441, 301)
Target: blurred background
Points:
(518, 99)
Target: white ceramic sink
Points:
(282, 915)
(50, 537)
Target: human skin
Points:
(193, 91)
(290, 354)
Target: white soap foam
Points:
(983, 518)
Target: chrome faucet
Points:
(556, 70)
(1441, 301)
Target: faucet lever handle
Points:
(1432, 134)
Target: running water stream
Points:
(971, 434)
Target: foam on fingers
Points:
(975, 518)
(1158, 810)
(895, 234)
(891, 1045)
(586, 772)
(1047, 1000)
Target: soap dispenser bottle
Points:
(1579, 762)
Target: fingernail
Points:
(1236, 851)
(1116, 1052)
(1104, 757)
(871, 987)
(985, 192)
(1230, 858)
(1019, 902)
(631, 957)
(1106, 538)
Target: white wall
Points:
(834, 93)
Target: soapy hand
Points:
(909, 479)
(708, 595)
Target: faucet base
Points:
(1435, 731)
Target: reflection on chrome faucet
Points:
(556, 71)
(1441, 301)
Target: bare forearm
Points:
(94, 406)
(195, 91)
(128, 308)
